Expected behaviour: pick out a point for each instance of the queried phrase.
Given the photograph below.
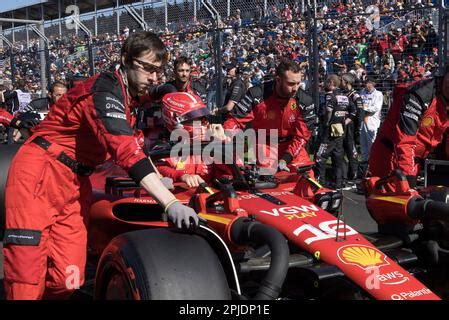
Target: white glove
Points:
(168, 183)
(182, 215)
(282, 166)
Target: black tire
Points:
(7, 152)
(160, 264)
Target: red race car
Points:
(263, 237)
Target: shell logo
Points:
(427, 121)
(362, 256)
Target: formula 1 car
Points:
(264, 237)
(418, 216)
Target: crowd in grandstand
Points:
(347, 43)
(400, 47)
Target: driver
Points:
(416, 124)
(48, 189)
(182, 110)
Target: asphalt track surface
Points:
(354, 211)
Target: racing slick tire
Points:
(160, 264)
(7, 153)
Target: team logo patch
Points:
(180, 165)
(427, 121)
(293, 106)
(362, 256)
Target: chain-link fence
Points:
(391, 42)
(19, 66)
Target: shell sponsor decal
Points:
(364, 257)
(427, 121)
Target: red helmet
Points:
(180, 109)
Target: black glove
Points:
(25, 120)
(182, 215)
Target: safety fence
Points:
(387, 42)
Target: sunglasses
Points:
(148, 67)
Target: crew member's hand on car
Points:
(181, 215)
(192, 180)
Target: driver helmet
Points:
(182, 110)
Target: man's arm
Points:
(153, 185)
(237, 92)
(106, 114)
(158, 92)
(404, 141)
(242, 113)
(352, 112)
(166, 169)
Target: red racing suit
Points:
(414, 127)
(293, 119)
(175, 168)
(48, 191)
(5, 117)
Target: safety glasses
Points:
(148, 67)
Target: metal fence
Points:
(389, 42)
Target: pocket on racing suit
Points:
(25, 261)
(337, 130)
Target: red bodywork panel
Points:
(301, 221)
(315, 231)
